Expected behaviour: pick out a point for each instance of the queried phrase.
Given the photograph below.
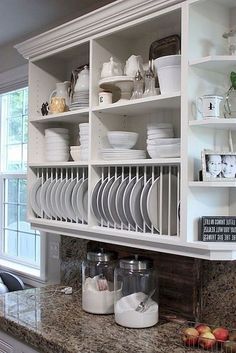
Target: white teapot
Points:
(133, 65)
(111, 68)
(82, 83)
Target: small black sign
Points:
(218, 228)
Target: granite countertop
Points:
(52, 322)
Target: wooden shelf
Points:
(142, 105)
(217, 63)
(75, 116)
(214, 184)
(167, 161)
(226, 124)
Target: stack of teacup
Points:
(80, 153)
(57, 145)
(161, 142)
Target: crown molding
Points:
(14, 79)
(80, 29)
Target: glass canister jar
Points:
(98, 282)
(135, 287)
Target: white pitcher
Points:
(133, 64)
(82, 83)
(62, 90)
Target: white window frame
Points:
(9, 81)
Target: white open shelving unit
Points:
(121, 29)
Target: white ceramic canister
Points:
(209, 106)
(104, 98)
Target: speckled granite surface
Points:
(55, 323)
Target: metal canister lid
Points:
(101, 255)
(136, 263)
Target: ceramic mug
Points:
(57, 105)
(105, 98)
(209, 106)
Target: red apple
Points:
(190, 336)
(202, 328)
(221, 334)
(207, 340)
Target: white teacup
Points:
(209, 106)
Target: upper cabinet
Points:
(122, 182)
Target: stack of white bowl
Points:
(56, 145)
(168, 69)
(161, 142)
(122, 142)
(84, 140)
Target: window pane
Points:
(22, 191)
(14, 157)
(23, 226)
(11, 216)
(15, 130)
(10, 243)
(27, 246)
(16, 103)
(37, 260)
(11, 187)
(24, 160)
(25, 129)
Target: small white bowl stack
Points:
(56, 145)
(161, 142)
(80, 153)
(122, 143)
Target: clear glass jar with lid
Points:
(98, 282)
(136, 287)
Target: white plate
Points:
(43, 194)
(60, 211)
(119, 201)
(99, 201)
(112, 201)
(74, 198)
(126, 198)
(105, 206)
(62, 198)
(82, 201)
(34, 197)
(48, 198)
(143, 203)
(52, 201)
(94, 197)
(68, 199)
(153, 204)
(134, 203)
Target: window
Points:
(19, 243)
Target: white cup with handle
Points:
(209, 106)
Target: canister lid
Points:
(136, 263)
(101, 255)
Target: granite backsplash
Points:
(190, 288)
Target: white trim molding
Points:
(102, 19)
(14, 79)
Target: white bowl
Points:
(154, 126)
(56, 132)
(164, 151)
(169, 79)
(57, 158)
(158, 142)
(122, 139)
(164, 133)
(167, 60)
(76, 155)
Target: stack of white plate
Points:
(161, 142)
(56, 145)
(79, 100)
(116, 154)
(84, 140)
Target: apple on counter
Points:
(207, 340)
(221, 334)
(190, 336)
(202, 328)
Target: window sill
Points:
(28, 275)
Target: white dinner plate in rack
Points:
(74, 198)
(119, 201)
(48, 198)
(82, 201)
(43, 194)
(134, 203)
(153, 204)
(52, 201)
(94, 196)
(99, 201)
(68, 199)
(143, 203)
(58, 198)
(126, 204)
(63, 197)
(34, 197)
(105, 206)
(112, 201)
